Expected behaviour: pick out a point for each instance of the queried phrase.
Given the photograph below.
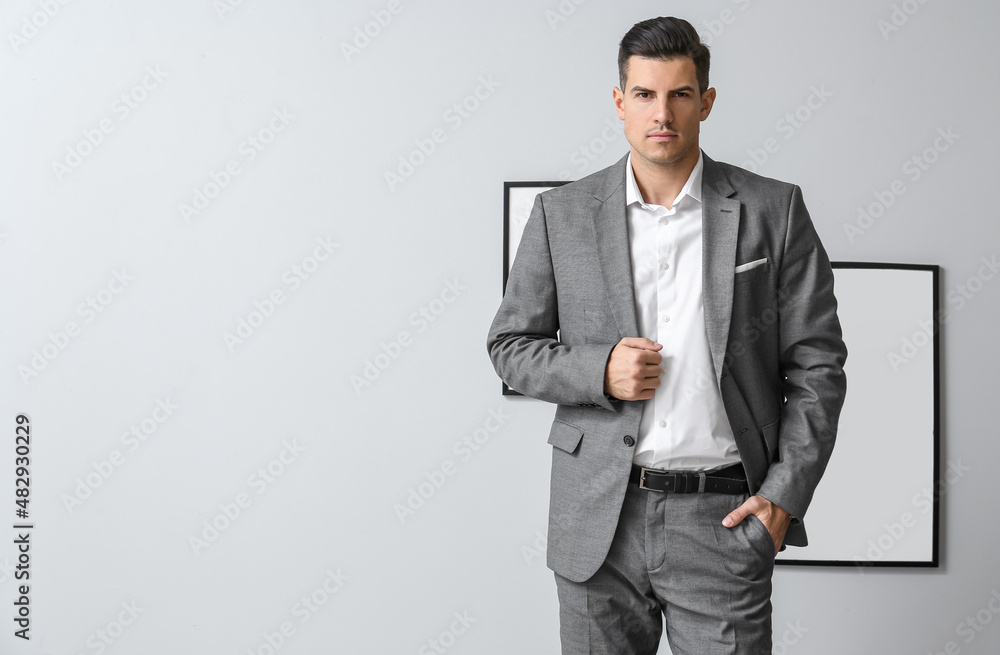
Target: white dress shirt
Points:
(684, 425)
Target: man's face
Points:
(663, 110)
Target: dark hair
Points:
(664, 38)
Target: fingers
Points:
(647, 357)
(636, 381)
(640, 342)
(633, 370)
(774, 519)
(635, 388)
(642, 356)
(748, 507)
(646, 387)
(651, 370)
(734, 517)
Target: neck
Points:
(659, 184)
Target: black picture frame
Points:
(879, 502)
(518, 198)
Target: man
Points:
(680, 312)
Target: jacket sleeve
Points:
(811, 360)
(523, 340)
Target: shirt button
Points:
(664, 221)
(629, 441)
(666, 319)
(664, 266)
(663, 424)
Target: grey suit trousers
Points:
(671, 558)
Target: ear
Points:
(707, 102)
(619, 98)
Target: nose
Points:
(663, 114)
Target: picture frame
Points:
(518, 199)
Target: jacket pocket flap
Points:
(565, 436)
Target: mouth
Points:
(662, 136)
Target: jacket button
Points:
(629, 441)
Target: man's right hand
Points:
(633, 371)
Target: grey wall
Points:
(150, 424)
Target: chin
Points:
(665, 159)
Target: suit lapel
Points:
(720, 229)
(611, 233)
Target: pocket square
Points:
(749, 265)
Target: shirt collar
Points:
(691, 188)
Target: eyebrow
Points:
(642, 89)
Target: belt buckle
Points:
(642, 480)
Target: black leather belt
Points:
(730, 480)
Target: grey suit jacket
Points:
(772, 327)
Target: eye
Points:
(642, 94)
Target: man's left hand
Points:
(774, 518)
